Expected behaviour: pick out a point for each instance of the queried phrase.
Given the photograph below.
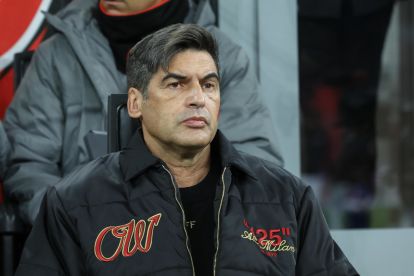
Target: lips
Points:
(195, 122)
(113, 3)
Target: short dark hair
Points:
(157, 49)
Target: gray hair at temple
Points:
(157, 49)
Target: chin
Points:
(194, 142)
(195, 138)
(201, 136)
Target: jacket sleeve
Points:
(4, 150)
(52, 247)
(34, 123)
(318, 253)
(244, 119)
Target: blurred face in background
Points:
(128, 7)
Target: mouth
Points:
(112, 3)
(196, 122)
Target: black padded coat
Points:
(112, 218)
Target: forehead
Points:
(192, 62)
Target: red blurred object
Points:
(23, 34)
(326, 101)
(6, 91)
(13, 30)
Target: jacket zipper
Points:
(183, 214)
(218, 222)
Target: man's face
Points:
(182, 107)
(124, 7)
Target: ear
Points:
(134, 103)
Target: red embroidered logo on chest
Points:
(270, 241)
(130, 237)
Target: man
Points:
(64, 93)
(180, 199)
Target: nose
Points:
(196, 96)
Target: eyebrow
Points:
(173, 76)
(183, 77)
(211, 75)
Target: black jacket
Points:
(115, 218)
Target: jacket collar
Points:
(230, 157)
(201, 13)
(136, 158)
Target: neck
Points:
(188, 166)
(190, 171)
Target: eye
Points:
(209, 85)
(174, 85)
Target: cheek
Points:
(150, 115)
(216, 108)
(167, 114)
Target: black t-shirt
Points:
(199, 212)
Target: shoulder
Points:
(267, 169)
(53, 47)
(226, 45)
(222, 38)
(234, 62)
(50, 56)
(272, 181)
(91, 184)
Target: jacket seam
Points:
(244, 270)
(42, 266)
(267, 203)
(262, 202)
(108, 202)
(66, 212)
(327, 268)
(166, 269)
